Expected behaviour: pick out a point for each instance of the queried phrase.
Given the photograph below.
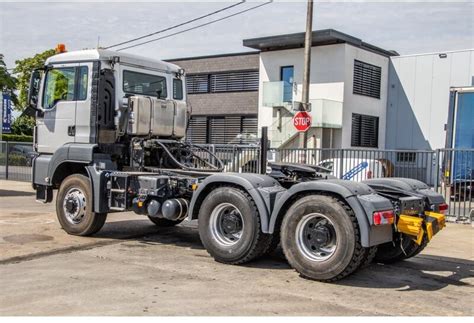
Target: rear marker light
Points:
(383, 217)
(443, 208)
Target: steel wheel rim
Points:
(226, 224)
(316, 237)
(74, 205)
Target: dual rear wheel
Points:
(319, 234)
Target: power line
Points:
(178, 25)
(196, 27)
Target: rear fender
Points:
(262, 188)
(361, 198)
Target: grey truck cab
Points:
(110, 137)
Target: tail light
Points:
(383, 217)
(442, 208)
(369, 174)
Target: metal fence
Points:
(15, 160)
(448, 171)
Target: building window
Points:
(222, 129)
(197, 83)
(365, 131)
(406, 157)
(222, 82)
(234, 81)
(367, 78)
(287, 76)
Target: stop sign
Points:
(302, 121)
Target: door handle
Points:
(71, 131)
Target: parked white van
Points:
(358, 169)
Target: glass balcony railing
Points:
(277, 94)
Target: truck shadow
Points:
(424, 272)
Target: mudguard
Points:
(46, 165)
(262, 188)
(361, 198)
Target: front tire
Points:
(320, 238)
(229, 227)
(74, 207)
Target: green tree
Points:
(23, 70)
(23, 125)
(7, 81)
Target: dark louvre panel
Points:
(197, 130)
(234, 81)
(249, 125)
(221, 130)
(198, 83)
(367, 78)
(217, 130)
(364, 132)
(355, 131)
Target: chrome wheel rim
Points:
(316, 237)
(74, 205)
(226, 224)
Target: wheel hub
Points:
(231, 223)
(226, 224)
(316, 237)
(74, 205)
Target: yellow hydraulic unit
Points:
(415, 227)
(434, 223)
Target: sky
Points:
(409, 27)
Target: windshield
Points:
(144, 84)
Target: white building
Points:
(348, 90)
(418, 97)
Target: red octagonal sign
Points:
(302, 121)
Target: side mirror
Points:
(33, 90)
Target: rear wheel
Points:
(229, 226)
(161, 222)
(74, 207)
(320, 238)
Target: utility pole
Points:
(306, 72)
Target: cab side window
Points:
(59, 86)
(65, 84)
(177, 89)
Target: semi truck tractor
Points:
(110, 137)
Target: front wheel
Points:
(74, 207)
(320, 238)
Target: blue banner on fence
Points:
(6, 113)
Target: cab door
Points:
(58, 102)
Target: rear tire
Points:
(74, 207)
(320, 238)
(229, 226)
(164, 223)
